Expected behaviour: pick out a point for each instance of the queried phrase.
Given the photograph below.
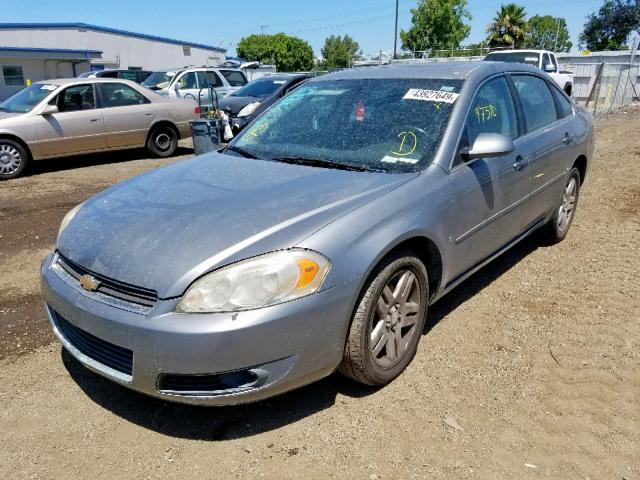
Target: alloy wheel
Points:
(567, 206)
(395, 319)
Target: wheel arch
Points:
(162, 123)
(581, 165)
(15, 138)
(425, 248)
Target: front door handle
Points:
(568, 138)
(519, 164)
(95, 119)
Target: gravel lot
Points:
(529, 369)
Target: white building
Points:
(39, 51)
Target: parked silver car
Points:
(319, 238)
(55, 118)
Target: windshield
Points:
(393, 125)
(159, 80)
(530, 58)
(259, 88)
(26, 99)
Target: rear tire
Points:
(388, 321)
(162, 141)
(13, 159)
(558, 226)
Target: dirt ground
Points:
(530, 369)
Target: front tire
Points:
(162, 141)
(557, 228)
(388, 321)
(13, 159)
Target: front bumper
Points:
(280, 347)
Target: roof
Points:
(520, 50)
(98, 28)
(282, 76)
(68, 81)
(52, 50)
(429, 70)
(66, 52)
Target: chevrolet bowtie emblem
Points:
(89, 282)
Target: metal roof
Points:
(51, 50)
(98, 28)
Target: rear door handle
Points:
(519, 164)
(95, 119)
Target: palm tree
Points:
(508, 27)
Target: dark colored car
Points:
(255, 97)
(137, 76)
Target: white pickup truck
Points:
(542, 59)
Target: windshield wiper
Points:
(317, 162)
(242, 151)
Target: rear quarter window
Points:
(566, 107)
(234, 77)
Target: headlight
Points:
(68, 217)
(248, 109)
(258, 282)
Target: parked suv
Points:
(137, 76)
(192, 82)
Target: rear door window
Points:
(234, 77)
(119, 95)
(537, 101)
(215, 80)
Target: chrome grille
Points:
(109, 287)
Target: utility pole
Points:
(395, 39)
(263, 28)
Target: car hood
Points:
(163, 229)
(233, 105)
(5, 115)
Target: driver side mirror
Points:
(488, 145)
(549, 68)
(49, 110)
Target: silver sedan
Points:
(318, 240)
(55, 118)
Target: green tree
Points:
(339, 52)
(542, 34)
(609, 29)
(509, 27)
(437, 25)
(288, 53)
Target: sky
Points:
(215, 22)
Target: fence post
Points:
(596, 83)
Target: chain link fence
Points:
(605, 87)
